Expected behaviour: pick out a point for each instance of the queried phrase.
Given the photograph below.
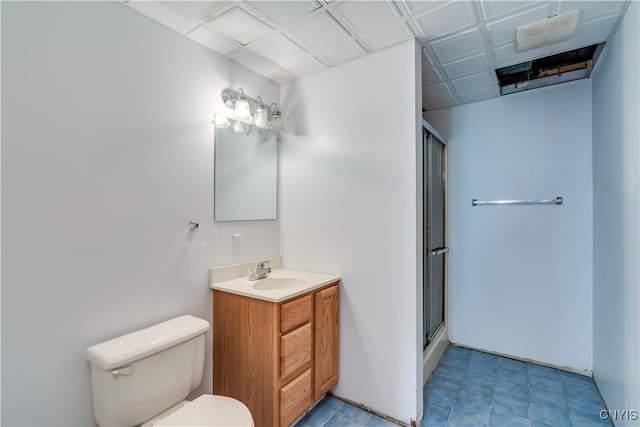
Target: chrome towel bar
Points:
(556, 201)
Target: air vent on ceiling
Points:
(559, 68)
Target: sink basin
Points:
(273, 283)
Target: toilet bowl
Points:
(143, 378)
(206, 410)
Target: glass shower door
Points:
(434, 239)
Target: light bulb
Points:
(261, 119)
(242, 110)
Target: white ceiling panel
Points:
(252, 61)
(281, 76)
(440, 90)
(279, 49)
(438, 103)
(462, 41)
(197, 9)
(240, 26)
(369, 15)
(284, 12)
(306, 67)
(494, 9)
(458, 46)
(426, 58)
(418, 7)
(503, 32)
(451, 17)
(208, 38)
(188, 27)
(318, 31)
(389, 37)
(431, 76)
(466, 66)
(479, 95)
(590, 10)
(342, 52)
(473, 83)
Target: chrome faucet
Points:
(262, 272)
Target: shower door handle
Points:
(439, 251)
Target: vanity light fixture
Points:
(252, 110)
(242, 109)
(276, 117)
(260, 114)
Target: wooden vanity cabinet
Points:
(276, 358)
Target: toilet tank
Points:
(136, 376)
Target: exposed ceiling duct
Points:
(562, 67)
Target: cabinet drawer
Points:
(295, 349)
(295, 398)
(295, 313)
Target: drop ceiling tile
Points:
(208, 38)
(418, 7)
(284, 12)
(252, 61)
(342, 52)
(590, 10)
(431, 76)
(369, 15)
(473, 83)
(188, 27)
(494, 9)
(466, 67)
(306, 67)
(426, 58)
(389, 37)
(451, 17)
(318, 31)
(279, 48)
(281, 76)
(240, 26)
(458, 46)
(162, 14)
(586, 34)
(438, 103)
(196, 9)
(504, 31)
(440, 90)
(479, 95)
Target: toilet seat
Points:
(210, 410)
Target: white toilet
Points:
(143, 377)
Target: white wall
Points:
(349, 207)
(107, 154)
(520, 279)
(616, 217)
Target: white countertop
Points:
(243, 286)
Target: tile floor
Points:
(471, 388)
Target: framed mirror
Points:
(245, 171)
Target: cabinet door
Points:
(326, 340)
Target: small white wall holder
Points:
(196, 235)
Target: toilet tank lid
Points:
(125, 349)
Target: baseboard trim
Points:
(584, 372)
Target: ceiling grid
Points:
(463, 41)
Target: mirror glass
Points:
(245, 171)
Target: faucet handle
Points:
(261, 265)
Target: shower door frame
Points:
(428, 132)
